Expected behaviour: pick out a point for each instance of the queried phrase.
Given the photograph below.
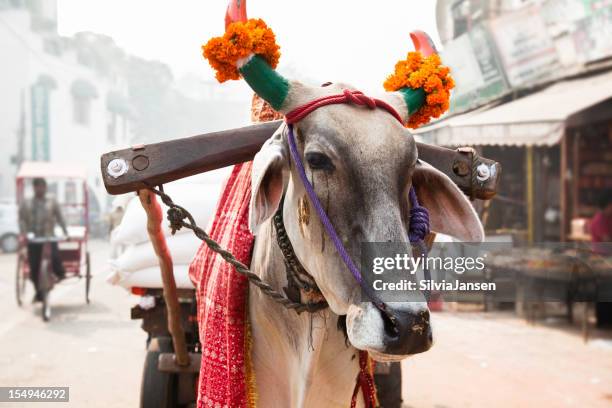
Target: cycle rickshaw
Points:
(68, 183)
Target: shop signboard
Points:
(528, 54)
(563, 12)
(476, 69)
(593, 35)
(594, 6)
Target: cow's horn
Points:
(414, 100)
(265, 81)
(420, 83)
(248, 49)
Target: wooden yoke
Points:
(136, 168)
(156, 236)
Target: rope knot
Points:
(358, 98)
(176, 217)
(419, 219)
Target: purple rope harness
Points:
(418, 225)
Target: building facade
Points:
(54, 106)
(532, 92)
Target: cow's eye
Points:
(319, 161)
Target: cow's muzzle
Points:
(369, 329)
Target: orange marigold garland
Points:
(240, 40)
(429, 74)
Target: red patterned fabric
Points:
(222, 298)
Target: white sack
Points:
(199, 199)
(182, 247)
(151, 278)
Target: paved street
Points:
(94, 349)
(479, 360)
(497, 360)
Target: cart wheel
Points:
(158, 389)
(389, 387)
(87, 276)
(20, 279)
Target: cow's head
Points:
(362, 164)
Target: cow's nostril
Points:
(419, 328)
(407, 331)
(391, 327)
(421, 324)
(424, 317)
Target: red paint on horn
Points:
(423, 43)
(236, 11)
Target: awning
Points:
(534, 120)
(52, 170)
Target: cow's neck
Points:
(298, 360)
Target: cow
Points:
(349, 157)
(361, 164)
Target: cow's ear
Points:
(450, 212)
(267, 181)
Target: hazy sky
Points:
(324, 40)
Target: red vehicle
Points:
(68, 183)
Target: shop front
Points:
(555, 148)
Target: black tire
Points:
(158, 389)
(87, 276)
(20, 280)
(389, 387)
(9, 243)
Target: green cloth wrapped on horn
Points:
(265, 81)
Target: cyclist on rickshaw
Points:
(37, 219)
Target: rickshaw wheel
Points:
(20, 279)
(87, 276)
(158, 389)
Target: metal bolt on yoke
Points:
(483, 173)
(117, 168)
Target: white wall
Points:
(25, 60)
(13, 79)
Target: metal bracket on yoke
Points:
(483, 174)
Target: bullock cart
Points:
(172, 362)
(163, 383)
(248, 50)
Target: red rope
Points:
(348, 96)
(365, 381)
